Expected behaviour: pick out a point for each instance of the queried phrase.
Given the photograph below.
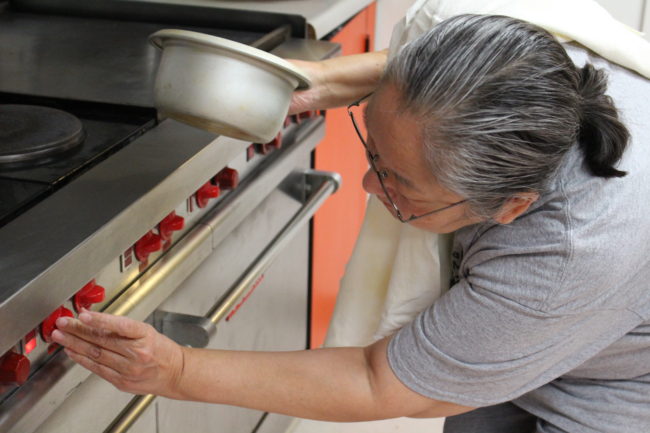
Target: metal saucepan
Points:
(223, 86)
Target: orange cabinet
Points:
(337, 223)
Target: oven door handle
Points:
(197, 330)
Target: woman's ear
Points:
(515, 206)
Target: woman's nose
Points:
(371, 184)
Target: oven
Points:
(205, 237)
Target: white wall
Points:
(389, 12)
(646, 20)
(634, 13)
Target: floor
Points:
(387, 426)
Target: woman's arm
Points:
(335, 384)
(338, 81)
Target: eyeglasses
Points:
(383, 174)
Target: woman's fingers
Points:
(129, 354)
(100, 355)
(97, 336)
(101, 370)
(123, 326)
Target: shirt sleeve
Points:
(482, 344)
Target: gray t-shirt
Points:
(552, 311)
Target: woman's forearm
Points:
(339, 81)
(327, 384)
(335, 384)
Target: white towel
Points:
(394, 271)
(397, 270)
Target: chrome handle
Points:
(198, 329)
(329, 183)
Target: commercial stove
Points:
(106, 205)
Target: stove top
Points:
(87, 59)
(104, 130)
(91, 69)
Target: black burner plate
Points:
(31, 133)
(107, 128)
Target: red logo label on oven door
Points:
(245, 298)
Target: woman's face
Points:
(397, 140)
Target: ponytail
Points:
(603, 137)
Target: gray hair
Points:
(502, 103)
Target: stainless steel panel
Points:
(94, 404)
(53, 384)
(50, 386)
(307, 49)
(59, 245)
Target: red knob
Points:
(205, 193)
(228, 178)
(89, 294)
(264, 148)
(250, 152)
(146, 245)
(14, 369)
(306, 115)
(171, 223)
(276, 143)
(49, 324)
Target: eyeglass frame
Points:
(381, 175)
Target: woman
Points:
(484, 127)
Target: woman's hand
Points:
(131, 355)
(338, 81)
(312, 98)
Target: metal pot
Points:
(223, 86)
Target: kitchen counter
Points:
(323, 16)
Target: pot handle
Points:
(197, 331)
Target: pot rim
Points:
(159, 39)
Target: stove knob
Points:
(276, 143)
(262, 148)
(306, 115)
(89, 294)
(171, 223)
(250, 152)
(205, 193)
(146, 245)
(14, 369)
(228, 178)
(49, 324)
